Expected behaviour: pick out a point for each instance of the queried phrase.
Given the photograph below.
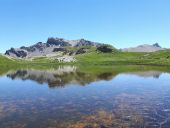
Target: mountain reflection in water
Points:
(66, 75)
(85, 97)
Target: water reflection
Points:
(114, 97)
(66, 75)
(154, 74)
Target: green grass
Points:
(124, 58)
(4, 59)
(94, 57)
(96, 63)
(165, 54)
(109, 58)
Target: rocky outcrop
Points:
(60, 50)
(157, 45)
(81, 51)
(144, 48)
(75, 43)
(16, 53)
(57, 42)
(83, 42)
(105, 48)
(39, 46)
(51, 47)
(66, 58)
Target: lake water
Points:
(86, 97)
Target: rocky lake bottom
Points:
(67, 97)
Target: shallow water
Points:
(68, 97)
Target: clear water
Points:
(67, 97)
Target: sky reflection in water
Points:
(70, 98)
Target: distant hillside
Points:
(144, 48)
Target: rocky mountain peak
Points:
(52, 46)
(57, 42)
(157, 45)
(144, 48)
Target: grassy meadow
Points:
(93, 57)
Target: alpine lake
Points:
(85, 97)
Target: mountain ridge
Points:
(48, 48)
(144, 48)
(60, 47)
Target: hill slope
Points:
(5, 59)
(155, 58)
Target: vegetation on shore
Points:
(94, 57)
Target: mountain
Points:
(86, 52)
(50, 48)
(144, 48)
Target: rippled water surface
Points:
(72, 97)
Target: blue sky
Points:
(123, 23)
